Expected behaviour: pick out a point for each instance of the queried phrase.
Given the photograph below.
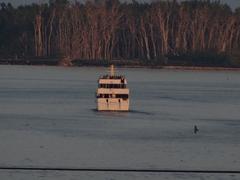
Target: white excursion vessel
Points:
(112, 93)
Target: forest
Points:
(191, 33)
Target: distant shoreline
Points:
(119, 63)
(198, 68)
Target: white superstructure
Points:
(112, 93)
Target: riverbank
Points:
(198, 68)
(30, 61)
(103, 63)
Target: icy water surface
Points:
(48, 119)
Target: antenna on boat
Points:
(112, 71)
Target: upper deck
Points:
(112, 77)
(108, 79)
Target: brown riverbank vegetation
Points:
(161, 32)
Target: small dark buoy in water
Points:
(195, 129)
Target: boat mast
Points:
(112, 72)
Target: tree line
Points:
(108, 29)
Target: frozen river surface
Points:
(48, 119)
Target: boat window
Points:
(119, 96)
(123, 96)
(114, 86)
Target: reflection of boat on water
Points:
(112, 93)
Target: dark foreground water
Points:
(48, 119)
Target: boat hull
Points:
(112, 104)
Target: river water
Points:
(48, 119)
